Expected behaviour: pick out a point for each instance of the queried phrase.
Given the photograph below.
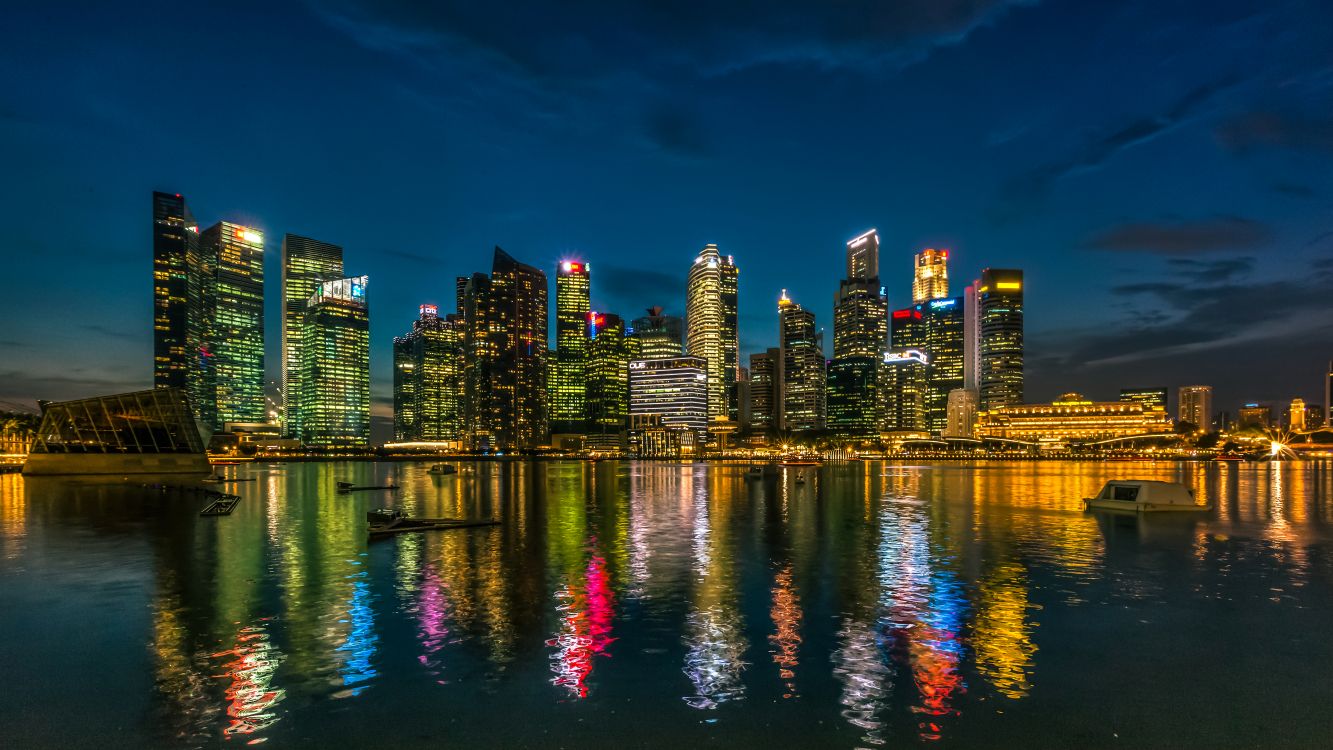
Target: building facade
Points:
(175, 267)
(764, 389)
(853, 397)
(658, 335)
(1256, 416)
(428, 380)
(711, 325)
(306, 263)
(962, 419)
(234, 301)
(573, 288)
(1072, 419)
(672, 388)
(930, 279)
(517, 318)
(945, 322)
(1152, 397)
(801, 375)
(902, 390)
(334, 410)
(999, 322)
(1194, 404)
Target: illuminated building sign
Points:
(249, 235)
(915, 355)
(347, 290)
(1009, 285)
(570, 266)
(939, 303)
(899, 314)
(429, 311)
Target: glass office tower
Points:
(569, 370)
(306, 263)
(711, 325)
(235, 302)
(334, 411)
(999, 296)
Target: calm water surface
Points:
(665, 605)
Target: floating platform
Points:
(349, 487)
(221, 507)
(385, 523)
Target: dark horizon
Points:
(1163, 180)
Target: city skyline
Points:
(1139, 217)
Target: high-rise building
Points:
(1151, 397)
(962, 418)
(1328, 395)
(1296, 415)
(1194, 404)
(972, 337)
(931, 280)
(516, 318)
(999, 316)
(764, 389)
(863, 256)
(658, 335)
(801, 368)
(853, 401)
(306, 263)
(674, 388)
(902, 390)
(945, 319)
(181, 283)
(480, 348)
(908, 329)
(569, 369)
(1256, 415)
(711, 325)
(235, 310)
(609, 356)
(428, 379)
(334, 409)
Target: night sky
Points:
(1162, 171)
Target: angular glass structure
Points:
(144, 432)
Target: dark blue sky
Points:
(1162, 171)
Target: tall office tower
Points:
(1151, 398)
(609, 355)
(569, 370)
(1000, 315)
(1256, 415)
(710, 324)
(175, 265)
(853, 400)
(801, 368)
(674, 388)
(428, 379)
(902, 390)
(235, 309)
(931, 280)
(972, 337)
(1328, 396)
(517, 318)
(480, 349)
(1194, 404)
(334, 411)
(658, 335)
(944, 346)
(764, 389)
(1296, 415)
(460, 294)
(907, 329)
(305, 264)
(731, 351)
(405, 383)
(962, 420)
(863, 256)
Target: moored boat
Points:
(388, 521)
(1142, 496)
(442, 469)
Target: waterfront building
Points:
(428, 380)
(907, 329)
(1153, 397)
(334, 409)
(711, 325)
(860, 308)
(234, 305)
(650, 437)
(764, 388)
(1072, 419)
(853, 401)
(944, 346)
(962, 418)
(931, 279)
(972, 337)
(902, 390)
(998, 321)
(1296, 415)
(658, 335)
(513, 357)
(175, 268)
(1256, 415)
(609, 356)
(801, 368)
(569, 365)
(306, 263)
(1328, 395)
(1194, 404)
(674, 389)
(480, 349)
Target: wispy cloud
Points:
(1256, 130)
(1222, 233)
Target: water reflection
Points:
(872, 605)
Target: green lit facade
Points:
(609, 355)
(334, 409)
(945, 348)
(306, 263)
(569, 412)
(659, 336)
(234, 300)
(853, 405)
(428, 379)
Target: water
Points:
(666, 605)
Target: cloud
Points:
(671, 131)
(110, 332)
(1256, 130)
(1222, 233)
(19, 385)
(1294, 190)
(1223, 269)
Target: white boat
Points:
(441, 469)
(1143, 495)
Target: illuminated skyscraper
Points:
(1000, 332)
(1328, 396)
(609, 355)
(860, 338)
(902, 390)
(944, 348)
(801, 368)
(516, 318)
(428, 379)
(863, 256)
(673, 388)
(658, 335)
(1194, 404)
(569, 370)
(764, 389)
(305, 264)
(235, 305)
(1153, 398)
(853, 401)
(932, 276)
(181, 283)
(334, 409)
(480, 348)
(1255, 415)
(710, 324)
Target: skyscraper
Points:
(1153, 398)
(710, 323)
(1000, 333)
(428, 379)
(609, 355)
(931, 280)
(517, 315)
(334, 410)
(944, 347)
(907, 329)
(1328, 395)
(853, 400)
(480, 348)
(860, 319)
(902, 390)
(860, 338)
(801, 368)
(181, 354)
(306, 263)
(658, 335)
(1194, 404)
(674, 388)
(235, 310)
(863, 256)
(569, 370)
(764, 389)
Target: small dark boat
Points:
(349, 487)
(442, 469)
(387, 522)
